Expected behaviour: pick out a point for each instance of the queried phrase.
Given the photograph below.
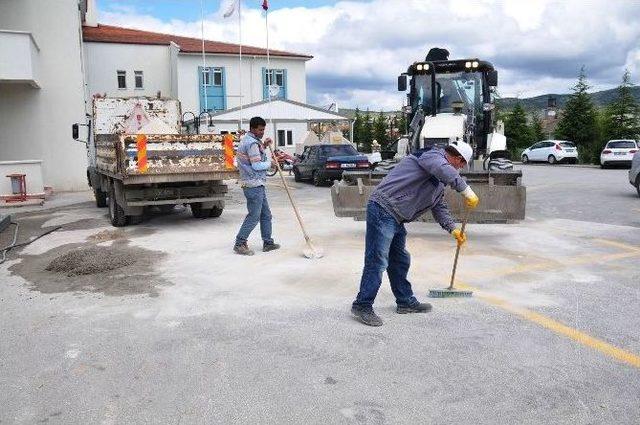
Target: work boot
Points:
(242, 249)
(417, 307)
(270, 246)
(366, 316)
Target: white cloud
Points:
(359, 48)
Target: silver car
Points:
(634, 172)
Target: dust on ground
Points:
(119, 269)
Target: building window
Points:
(217, 77)
(139, 79)
(285, 138)
(275, 83)
(122, 79)
(206, 80)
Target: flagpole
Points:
(204, 63)
(269, 76)
(240, 36)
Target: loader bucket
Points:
(502, 196)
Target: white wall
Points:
(188, 82)
(36, 123)
(103, 60)
(299, 130)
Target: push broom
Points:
(451, 292)
(311, 251)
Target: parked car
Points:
(320, 163)
(634, 172)
(618, 152)
(551, 151)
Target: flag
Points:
(265, 4)
(233, 5)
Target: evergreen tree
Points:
(621, 118)
(517, 131)
(579, 121)
(367, 132)
(402, 124)
(357, 128)
(537, 133)
(380, 129)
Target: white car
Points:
(618, 152)
(551, 151)
(634, 172)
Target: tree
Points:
(517, 131)
(621, 118)
(537, 133)
(402, 123)
(367, 132)
(579, 121)
(357, 128)
(380, 129)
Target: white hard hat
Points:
(463, 149)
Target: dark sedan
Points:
(322, 163)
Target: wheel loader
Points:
(448, 100)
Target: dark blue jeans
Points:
(259, 212)
(384, 250)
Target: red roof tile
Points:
(111, 34)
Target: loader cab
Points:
(454, 87)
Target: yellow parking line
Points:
(618, 245)
(557, 327)
(558, 264)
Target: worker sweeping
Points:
(416, 185)
(253, 163)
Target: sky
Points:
(361, 46)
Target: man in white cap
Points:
(416, 185)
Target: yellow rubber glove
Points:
(471, 199)
(460, 237)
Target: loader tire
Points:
(116, 213)
(216, 212)
(198, 212)
(101, 198)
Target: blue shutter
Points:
(201, 88)
(265, 90)
(284, 84)
(224, 89)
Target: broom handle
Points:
(286, 188)
(455, 261)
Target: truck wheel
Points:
(116, 213)
(638, 185)
(296, 175)
(101, 198)
(216, 212)
(198, 212)
(552, 159)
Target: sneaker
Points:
(242, 249)
(414, 308)
(366, 316)
(266, 247)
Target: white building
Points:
(128, 62)
(41, 93)
(54, 57)
(288, 121)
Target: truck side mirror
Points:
(402, 83)
(75, 131)
(492, 78)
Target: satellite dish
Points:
(274, 89)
